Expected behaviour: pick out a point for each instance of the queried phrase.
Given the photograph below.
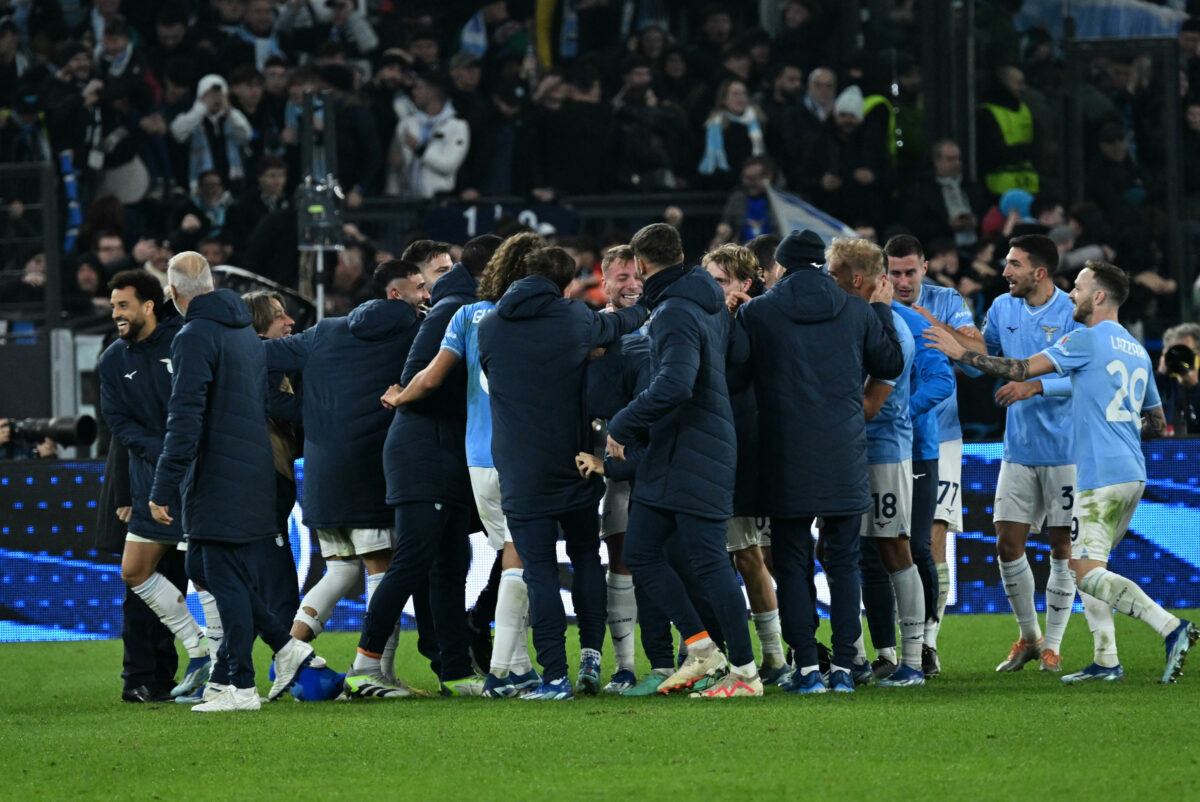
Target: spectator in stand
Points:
(678, 85)
(651, 41)
(256, 39)
(732, 133)
(844, 173)
(716, 31)
(558, 129)
(345, 25)
(748, 210)
(109, 250)
(736, 65)
(74, 115)
(804, 37)
(171, 40)
(214, 133)
(759, 47)
(647, 142)
(1006, 140)
(14, 61)
(429, 146)
(1118, 185)
(635, 71)
(269, 195)
(388, 93)
(472, 106)
(945, 203)
(817, 105)
(359, 152)
(205, 214)
(115, 55)
(216, 250)
(351, 284)
(24, 136)
(425, 50)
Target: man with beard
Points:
(1037, 476)
(135, 386)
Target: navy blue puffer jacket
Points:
(689, 464)
(216, 452)
(534, 350)
(810, 343)
(425, 456)
(135, 387)
(346, 363)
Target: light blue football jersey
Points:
(890, 433)
(1037, 431)
(462, 338)
(945, 304)
(1112, 381)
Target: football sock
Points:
(910, 606)
(1124, 594)
(512, 600)
(373, 581)
(365, 663)
(1060, 597)
(748, 670)
(520, 662)
(1018, 587)
(622, 618)
(339, 579)
(168, 604)
(766, 625)
(860, 650)
(887, 653)
(1099, 616)
(213, 629)
(387, 660)
(806, 670)
(700, 645)
(933, 627)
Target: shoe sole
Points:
(1179, 655)
(1092, 678)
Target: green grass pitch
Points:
(970, 733)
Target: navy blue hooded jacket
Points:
(216, 453)
(810, 343)
(346, 363)
(534, 350)
(135, 387)
(689, 464)
(425, 454)
(613, 380)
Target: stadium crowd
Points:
(540, 387)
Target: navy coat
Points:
(346, 363)
(425, 453)
(534, 349)
(216, 452)
(689, 464)
(810, 343)
(613, 380)
(135, 387)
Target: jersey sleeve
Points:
(455, 338)
(959, 313)
(1152, 399)
(991, 331)
(1072, 352)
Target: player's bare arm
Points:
(1154, 423)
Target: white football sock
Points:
(213, 628)
(1099, 616)
(932, 628)
(1018, 587)
(1124, 594)
(910, 607)
(860, 649)
(387, 658)
(340, 578)
(512, 602)
(622, 618)
(748, 670)
(520, 662)
(168, 604)
(365, 664)
(766, 625)
(1060, 597)
(372, 585)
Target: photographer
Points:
(14, 446)
(1178, 382)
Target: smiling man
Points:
(135, 386)
(1110, 381)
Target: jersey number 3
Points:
(1132, 386)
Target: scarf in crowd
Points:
(200, 155)
(215, 214)
(714, 139)
(428, 122)
(264, 46)
(119, 62)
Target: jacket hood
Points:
(220, 306)
(698, 286)
(527, 298)
(380, 319)
(810, 296)
(458, 281)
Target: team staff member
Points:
(810, 344)
(686, 477)
(342, 362)
(135, 386)
(216, 453)
(534, 349)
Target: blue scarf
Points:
(714, 158)
(200, 156)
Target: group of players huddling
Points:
(706, 424)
